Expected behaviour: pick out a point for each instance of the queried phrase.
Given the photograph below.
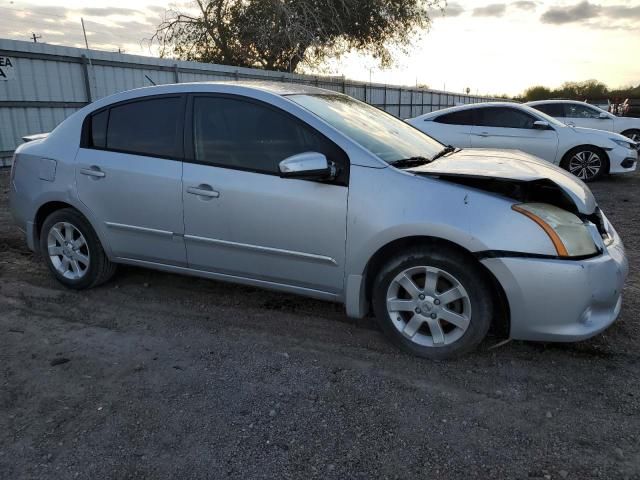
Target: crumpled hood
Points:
(510, 165)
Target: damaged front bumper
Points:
(562, 300)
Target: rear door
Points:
(241, 218)
(129, 173)
(586, 116)
(451, 128)
(511, 128)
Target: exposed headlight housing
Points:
(569, 235)
(624, 144)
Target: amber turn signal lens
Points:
(555, 239)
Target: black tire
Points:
(100, 268)
(466, 271)
(633, 134)
(586, 151)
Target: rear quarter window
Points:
(98, 129)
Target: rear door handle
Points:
(482, 134)
(93, 172)
(203, 191)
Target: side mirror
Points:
(541, 125)
(604, 116)
(307, 166)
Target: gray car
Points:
(314, 193)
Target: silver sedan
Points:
(311, 192)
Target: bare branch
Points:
(282, 34)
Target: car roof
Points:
(243, 87)
(540, 102)
(277, 88)
(469, 106)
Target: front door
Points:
(510, 128)
(129, 175)
(241, 219)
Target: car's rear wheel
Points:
(73, 251)
(586, 163)
(433, 303)
(633, 135)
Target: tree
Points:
(587, 90)
(281, 34)
(629, 92)
(537, 93)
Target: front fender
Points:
(408, 205)
(386, 205)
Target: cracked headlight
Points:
(569, 235)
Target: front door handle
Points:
(482, 134)
(203, 191)
(93, 172)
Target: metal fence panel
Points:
(51, 82)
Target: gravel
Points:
(161, 376)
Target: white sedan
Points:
(585, 152)
(580, 114)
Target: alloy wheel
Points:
(429, 306)
(68, 251)
(585, 165)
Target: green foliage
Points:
(622, 93)
(537, 93)
(280, 34)
(587, 90)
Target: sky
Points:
(488, 47)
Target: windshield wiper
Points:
(417, 161)
(410, 162)
(445, 151)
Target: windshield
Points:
(379, 132)
(600, 110)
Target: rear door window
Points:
(147, 127)
(552, 109)
(462, 117)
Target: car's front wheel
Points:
(587, 163)
(435, 303)
(73, 251)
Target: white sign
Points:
(7, 68)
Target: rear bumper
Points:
(562, 300)
(23, 220)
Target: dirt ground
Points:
(162, 376)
